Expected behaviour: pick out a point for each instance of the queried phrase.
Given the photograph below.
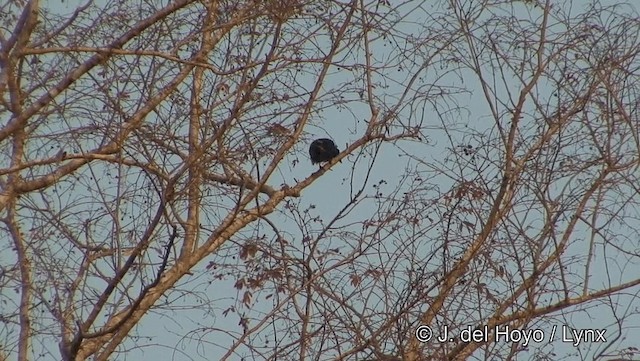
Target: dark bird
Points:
(322, 150)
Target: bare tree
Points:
(156, 192)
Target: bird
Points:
(322, 150)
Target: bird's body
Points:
(322, 150)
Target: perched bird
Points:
(322, 150)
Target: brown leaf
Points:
(355, 280)
(246, 299)
(248, 250)
(239, 284)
